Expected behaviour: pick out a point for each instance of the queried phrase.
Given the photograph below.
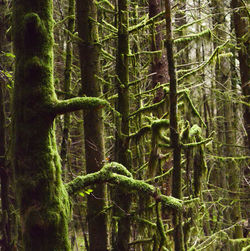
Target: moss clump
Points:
(34, 34)
(160, 123)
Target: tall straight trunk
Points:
(159, 60)
(234, 168)
(222, 83)
(122, 154)
(93, 121)
(174, 132)
(67, 84)
(241, 24)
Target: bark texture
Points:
(93, 121)
(241, 24)
(42, 198)
(123, 199)
(174, 132)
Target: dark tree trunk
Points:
(241, 24)
(174, 132)
(93, 121)
(159, 60)
(122, 154)
(67, 84)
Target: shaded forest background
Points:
(148, 102)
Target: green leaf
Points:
(9, 55)
(89, 191)
(82, 194)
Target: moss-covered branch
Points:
(193, 144)
(79, 103)
(117, 174)
(147, 108)
(137, 135)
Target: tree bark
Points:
(93, 121)
(42, 198)
(159, 60)
(241, 24)
(122, 154)
(67, 84)
(174, 134)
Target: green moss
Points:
(79, 103)
(160, 123)
(195, 130)
(137, 135)
(114, 173)
(41, 196)
(115, 167)
(240, 244)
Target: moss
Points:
(240, 244)
(116, 173)
(35, 34)
(41, 196)
(137, 135)
(117, 168)
(194, 130)
(160, 226)
(148, 108)
(79, 103)
(160, 123)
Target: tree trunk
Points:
(159, 60)
(122, 154)
(67, 84)
(174, 134)
(42, 198)
(93, 121)
(241, 24)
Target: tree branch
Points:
(79, 103)
(117, 174)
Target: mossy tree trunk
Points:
(174, 132)
(43, 201)
(42, 198)
(241, 24)
(122, 153)
(93, 121)
(223, 107)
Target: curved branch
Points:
(117, 174)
